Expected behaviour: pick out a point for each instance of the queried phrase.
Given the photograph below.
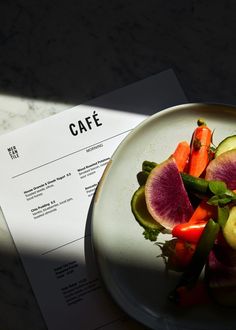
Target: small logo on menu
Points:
(13, 153)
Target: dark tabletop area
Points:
(72, 51)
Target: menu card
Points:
(49, 171)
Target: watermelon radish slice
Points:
(223, 168)
(166, 198)
(220, 273)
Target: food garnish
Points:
(191, 197)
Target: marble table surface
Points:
(54, 55)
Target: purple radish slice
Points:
(220, 274)
(223, 168)
(166, 198)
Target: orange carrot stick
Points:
(203, 212)
(181, 155)
(200, 145)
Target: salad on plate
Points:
(191, 199)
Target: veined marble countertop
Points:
(54, 55)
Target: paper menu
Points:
(49, 171)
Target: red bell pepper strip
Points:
(192, 230)
(189, 232)
(190, 276)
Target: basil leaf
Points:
(219, 200)
(230, 193)
(224, 200)
(217, 187)
(214, 200)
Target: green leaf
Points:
(230, 193)
(224, 200)
(214, 200)
(151, 234)
(217, 187)
(220, 200)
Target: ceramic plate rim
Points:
(102, 184)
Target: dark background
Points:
(72, 51)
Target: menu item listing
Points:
(51, 184)
(49, 172)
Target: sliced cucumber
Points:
(229, 229)
(139, 208)
(140, 211)
(228, 143)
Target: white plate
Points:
(130, 268)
